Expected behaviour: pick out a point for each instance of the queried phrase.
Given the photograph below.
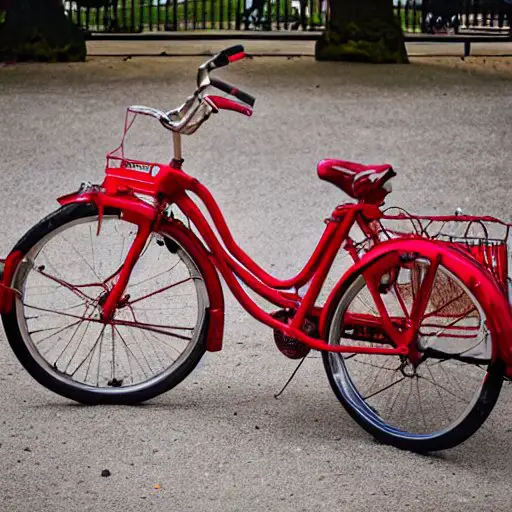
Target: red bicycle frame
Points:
(129, 190)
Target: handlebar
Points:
(222, 59)
(234, 91)
(178, 119)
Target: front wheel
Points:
(158, 332)
(442, 396)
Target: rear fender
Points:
(478, 280)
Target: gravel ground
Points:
(220, 441)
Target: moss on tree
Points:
(39, 30)
(362, 31)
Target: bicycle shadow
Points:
(303, 415)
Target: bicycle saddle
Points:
(368, 183)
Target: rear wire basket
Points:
(486, 239)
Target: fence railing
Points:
(416, 16)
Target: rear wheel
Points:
(442, 395)
(157, 334)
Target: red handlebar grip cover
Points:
(237, 56)
(227, 104)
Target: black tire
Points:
(354, 403)
(47, 375)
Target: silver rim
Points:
(62, 281)
(386, 391)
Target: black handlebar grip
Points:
(224, 57)
(234, 91)
(233, 50)
(219, 61)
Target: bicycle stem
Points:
(176, 142)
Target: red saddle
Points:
(367, 183)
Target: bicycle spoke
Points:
(366, 363)
(145, 334)
(443, 388)
(394, 401)
(168, 307)
(384, 389)
(73, 248)
(408, 396)
(99, 357)
(143, 352)
(61, 313)
(129, 351)
(450, 377)
(168, 271)
(147, 327)
(46, 294)
(49, 263)
(56, 312)
(76, 289)
(401, 301)
(122, 246)
(451, 324)
(420, 408)
(89, 354)
(375, 378)
(77, 347)
(38, 342)
(163, 343)
(113, 374)
(161, 290)
(439, 394)
(92, 249)
(100, 339)
(444, 306)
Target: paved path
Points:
(220, 441)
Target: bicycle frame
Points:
(144, 195)
(170, 185)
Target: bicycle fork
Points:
(114, 297)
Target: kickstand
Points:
(277, 395)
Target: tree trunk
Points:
(364, 31)
(39, 30)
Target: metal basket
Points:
(485, 239)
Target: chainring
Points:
(290, 347)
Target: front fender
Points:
(478, 280)
(134, 209)
(7, 269)
(138, 212)
(186, 238)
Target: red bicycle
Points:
(115, 297)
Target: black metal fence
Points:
(416, 16)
